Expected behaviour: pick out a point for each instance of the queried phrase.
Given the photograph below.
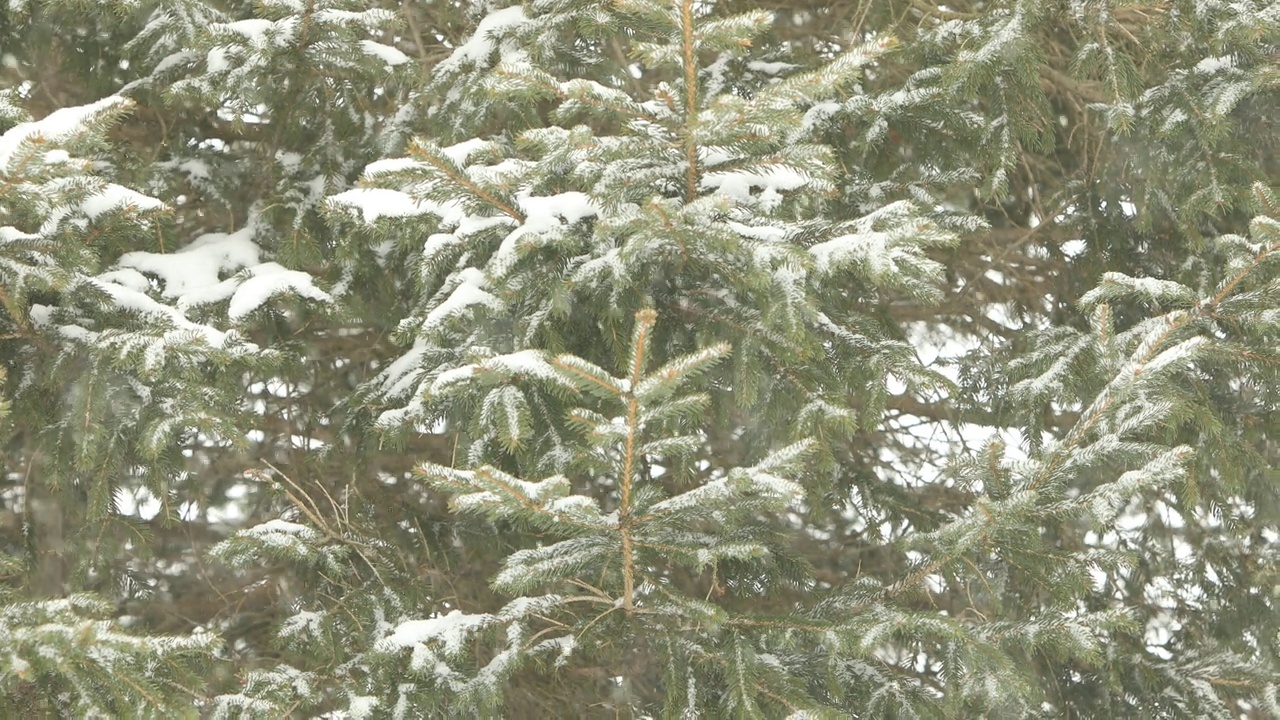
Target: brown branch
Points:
(1063, 82)
(468, 183)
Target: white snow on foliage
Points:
(1153, 288)
(481, 45)
(532, 363)
(1211, 65)
(370, 19)
(374, 203)
(529, 363)
(197, 266)
(771, 181)
(115, 197)
(470, 291)
(9, 233)
(216, 60)
(770, 68)
(392, 165)
(193, 274)
(739, 483)
(463, 151)
(817, 115)
(452, 376)
(132, 300)
(400, 376)
(59, 126)
(572, 206)
(763, 233)
(543, 217)
(362, 706)
(268, 280)
(871, 246)
(879, 252)
(385, 53)
(277, 525)
(172, 60)
(260, 33)
(1182, 352)
(294, 5)
(282, 534)
(451, 630)
(565, 644)
(303, 622)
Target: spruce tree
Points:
(639, 358)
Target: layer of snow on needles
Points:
(532, 363)
(871, 247)
(374, 203)
(770, 68)
(267, 280)
(282, 534)
(543, 215)
(481, 44)
(198, 265)
(114, 197)
(1211, 65)
(192, 274)
(544, 211)
(738, 183)
(362, 706)
(385, 53)
(260, 33)
(452, 630)
(58, 126)
(216, 61)
(133, 300)
(470, 291)
(392, 165)
(463, 151)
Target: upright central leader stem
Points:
(624, 512)
(691, 102)
(645, 320)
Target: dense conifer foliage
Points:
(639, 358)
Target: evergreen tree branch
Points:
(690, 60)
(466, 183)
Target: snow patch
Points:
(482, 44)
(117, 197)
(131, 300)
(451, 630)
(193, 274)
(268, 280)
(374, 203)
(1211, 65)
(543, 216)
(738, 184)
(463, 151)
(59, 126)
(260, 33)
(216, 60)
(770, 68)
(385, 53)
(469, 292)
(392, 165)
(198, 265)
